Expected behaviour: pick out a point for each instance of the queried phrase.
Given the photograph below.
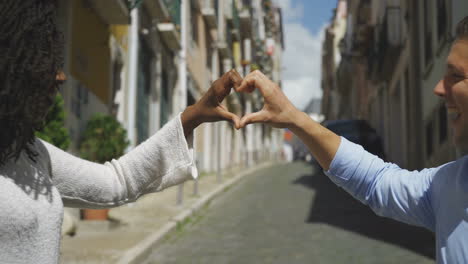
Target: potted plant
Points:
(104, 139)
(54, 130)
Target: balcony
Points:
(164, 10)
(235, 22)
(245, 21)
(224, 49)
(173, 6)
(390, 42)
(112, 11)
(209, 11)
(225, 43)
(228, 9)
(170, 35)
(157, 9)
(167, 13)
(363, 39)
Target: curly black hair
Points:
(461, 31)
(31, 55)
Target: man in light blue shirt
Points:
(435, 198)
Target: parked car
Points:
(300, 150)
(359, 132)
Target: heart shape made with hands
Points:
(276, 110)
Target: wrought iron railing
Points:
(131, 4)
(235, 15)
(173, 6)
(212, 4)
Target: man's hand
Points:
(277, 111)
(209, 107)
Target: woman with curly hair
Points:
(37, 179)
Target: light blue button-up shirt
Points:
(435, 198)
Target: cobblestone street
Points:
(292, 213)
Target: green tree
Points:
(54, 130)
(104, 139)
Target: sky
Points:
(304, 22)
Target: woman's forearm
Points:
(190, 120)
(322, 143)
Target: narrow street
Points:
(292, 213)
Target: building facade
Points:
(145, 61)
(393, 54)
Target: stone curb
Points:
(140, 251)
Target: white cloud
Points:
(302, 57)
(289, 11)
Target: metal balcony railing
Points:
(211, 4)
(131, 4)
(173, 6)
(169, 27)
(210, 12)
(225, 42)
(235, 15)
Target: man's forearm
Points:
(322, 142)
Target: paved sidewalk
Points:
(137, 227)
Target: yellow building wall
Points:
(90, 51)
(120, 32)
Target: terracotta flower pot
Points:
(95, 214)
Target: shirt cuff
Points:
(188, 147)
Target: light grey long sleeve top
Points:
(32, 195)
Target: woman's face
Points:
(61, 77)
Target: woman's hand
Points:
(209, 107)
(277, 111)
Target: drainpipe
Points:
(132, 77)
(183, 75)
(182, 55)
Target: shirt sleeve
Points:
(388, 190)
(164, 160)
